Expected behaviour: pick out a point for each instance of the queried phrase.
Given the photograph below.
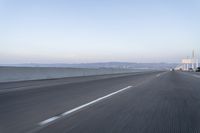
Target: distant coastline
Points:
(121, 65)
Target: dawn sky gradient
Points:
(80, 31)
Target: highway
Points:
(149, 102)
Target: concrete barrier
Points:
(8, 74)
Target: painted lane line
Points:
(95, 101)
(196, 76)
(158, 75)
(81, 107)
(49, 120)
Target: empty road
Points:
(150, 102)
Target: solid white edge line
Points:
(81, 107)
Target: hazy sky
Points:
(73, 31)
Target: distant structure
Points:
(189, 64)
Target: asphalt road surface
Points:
(154, 102)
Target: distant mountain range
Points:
(124, 65)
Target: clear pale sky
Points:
(77, 31)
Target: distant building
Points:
(189, 63)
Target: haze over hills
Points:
(125, 65)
